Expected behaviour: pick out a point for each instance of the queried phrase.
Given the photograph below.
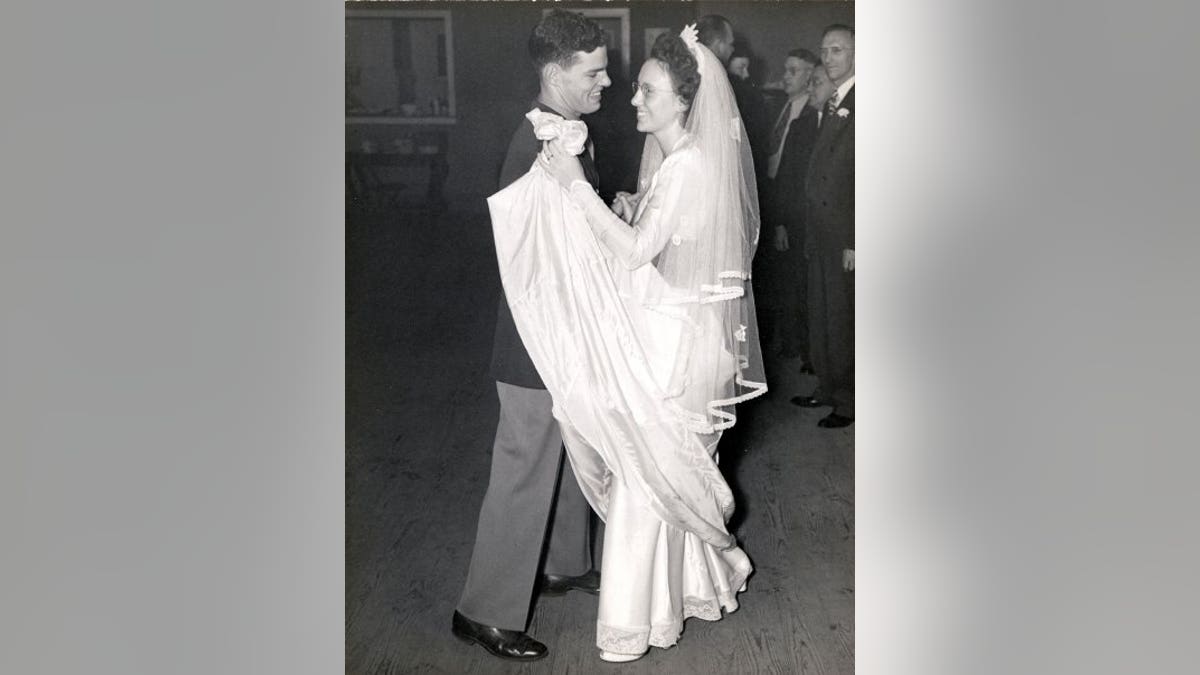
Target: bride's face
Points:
(658, 106)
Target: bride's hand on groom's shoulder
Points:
(560, 163)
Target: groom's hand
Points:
(623, 205)
(848, 259)
(561, 164)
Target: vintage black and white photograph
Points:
(599, 337)
(514, 336)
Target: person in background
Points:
(785, 269)
(739, 65)
(829, 243)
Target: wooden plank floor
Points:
(421, 412)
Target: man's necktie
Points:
(831, 104)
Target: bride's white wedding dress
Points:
(643, 373)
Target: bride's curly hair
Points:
(670, 50)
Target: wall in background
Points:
(772, 29)
(495, 83)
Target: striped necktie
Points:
(831, 104)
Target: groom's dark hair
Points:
(559, 35)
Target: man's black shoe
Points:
(554, 584)
(507, 644)
(808, 402)
(835, 421)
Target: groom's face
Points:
(581, 84)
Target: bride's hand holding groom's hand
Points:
(561, 164)
(624, 204)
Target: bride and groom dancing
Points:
(626, 334)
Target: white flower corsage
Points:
(740, 333)
(843, 113)
(546, 126)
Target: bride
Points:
(640, 320)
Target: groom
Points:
(533, 502)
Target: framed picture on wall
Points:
(615, 22)
(399, 66)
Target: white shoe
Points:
(613, 657)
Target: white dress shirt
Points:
(839, 95)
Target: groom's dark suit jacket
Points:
(829, 186)
(510, 360)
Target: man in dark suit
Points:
(829, 191)
(533, 504)
(783, 267)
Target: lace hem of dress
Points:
(634, 641)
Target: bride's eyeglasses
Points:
(647, 90)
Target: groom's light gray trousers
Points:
(530, 504)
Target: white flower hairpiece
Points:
(690, 35)
(691, 38)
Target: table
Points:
(363, 181)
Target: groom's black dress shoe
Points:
(835, 421)
(808, 401)
(554, 584)
(507, 644)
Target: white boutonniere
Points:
(843, 113)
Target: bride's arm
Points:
(633, 246)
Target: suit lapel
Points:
(840, 124)
(831, 130)
(832, 126)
